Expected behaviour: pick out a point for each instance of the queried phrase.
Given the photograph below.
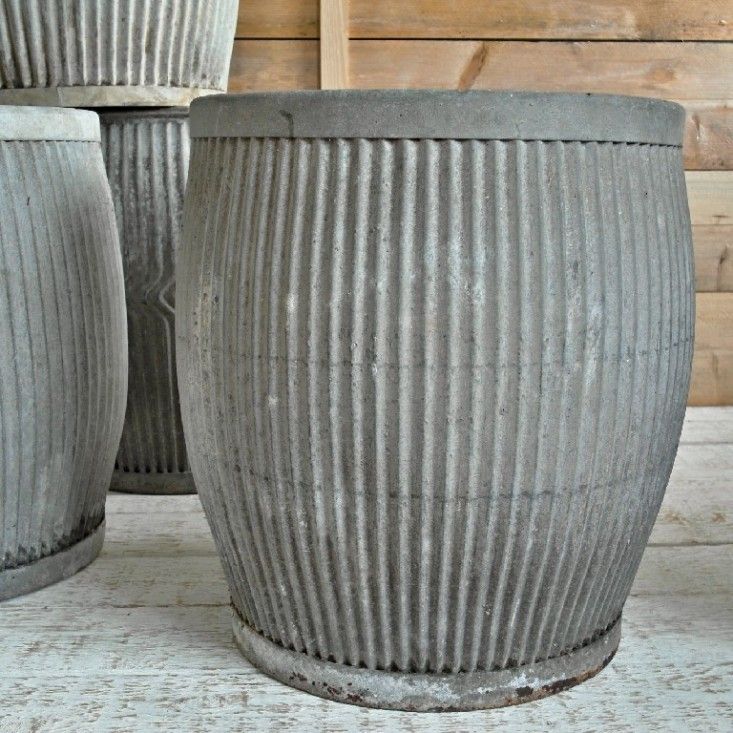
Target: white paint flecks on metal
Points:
(63, 361)
(146, 154)
(107, 53)
(433, 388)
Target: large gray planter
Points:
(146, 154)
(108, 53)
(63, 360)
(434, 352)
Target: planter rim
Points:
(48, 123)
(439, 114)
(130, 114)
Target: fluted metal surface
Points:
(146, 154)
(63, 360)
(68, 43)
(433, 390)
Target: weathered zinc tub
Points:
(146, 153)
(434, 352)
(63, 361)
(108, 53)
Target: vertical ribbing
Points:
(146, 155)
(63, 365)
(183, 43)
(434, 420)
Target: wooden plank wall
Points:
(675, 49)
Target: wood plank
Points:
(655, 20)
(274, 66)
(708, 425)
(680, 71)
(711, 197)
(278, 19)
(713, 257)
(698, 504)
(652, 20)
(334, 44)
(709, 135)
(670, 70)
(712, 366)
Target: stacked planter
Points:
(146, 153)
(144, 60)
(114, 53)
(434, 351)
(63, 361)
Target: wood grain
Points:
(708, 425)
(711, 198)
(334, 52)
(713, 258)
(543, 19)
(671, 70)
(278, 19)
(709, 135)
(274, 66)
(652, 20)
(712, 367)
(680, 71)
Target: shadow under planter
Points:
(146, 154)
(434, 351)
(63, 359)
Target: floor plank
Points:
(708, 425)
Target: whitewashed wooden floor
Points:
(141, 640)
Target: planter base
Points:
(153, 483)
(426, 692)
(59, 566)
(104, 96)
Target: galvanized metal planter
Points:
(146, 154)
(434, 351)
(63, 361)
(109, 53)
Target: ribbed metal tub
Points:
(63, 361)
(109, 53)
(146, 153)
(434, 351)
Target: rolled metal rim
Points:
(105, 96)
(153, 483)
(438, 114)
(53, 568)
(427, 692)
(48, 123)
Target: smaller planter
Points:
(63, 360)
(109, 53)
(146, 154)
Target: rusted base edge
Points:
(153, 483)
(426, 692)
(104, 96)
(59, 566)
